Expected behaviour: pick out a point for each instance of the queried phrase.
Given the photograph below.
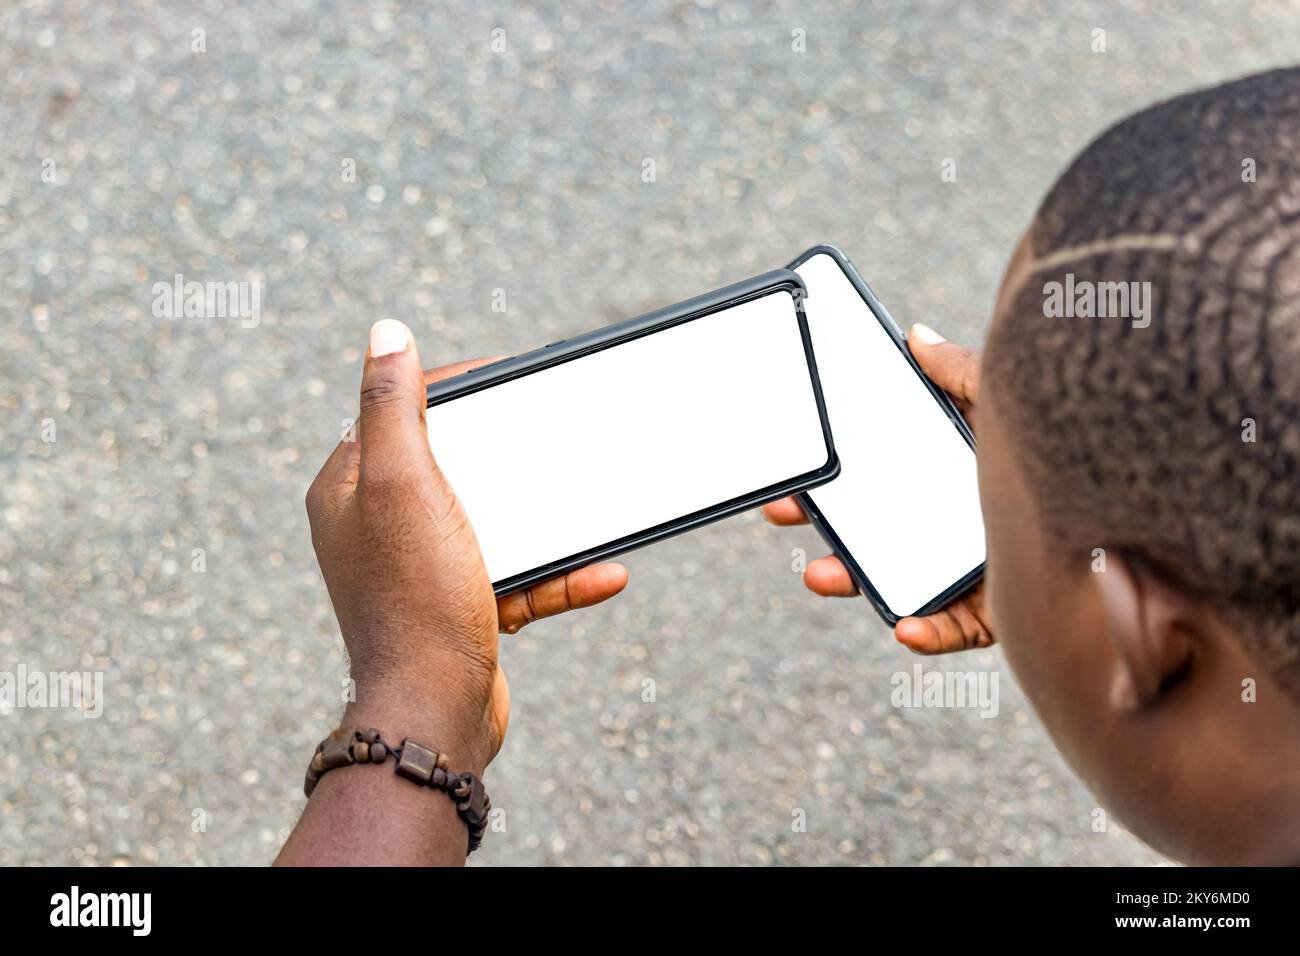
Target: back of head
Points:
(1171, 430)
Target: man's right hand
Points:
(963, 624)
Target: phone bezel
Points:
(567, 350)
(815, 515)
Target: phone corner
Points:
(831, 470)
(821, 249)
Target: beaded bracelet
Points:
(416, 762)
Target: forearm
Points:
(368, 815)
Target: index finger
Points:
(784, 512)
(433, 375)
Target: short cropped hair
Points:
(1173, 435)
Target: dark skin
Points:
(1138, 682)
(963, 624)
(419, 620)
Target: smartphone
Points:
(904, 512)
(593, 446)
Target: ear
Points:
(1151, 628)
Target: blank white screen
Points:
(610, 444)
(906, 501)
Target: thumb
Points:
(393, 440)
(954, 368)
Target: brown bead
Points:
(378, 753)
(361, 751)
(369, 736)
(443, 762)
(439, 779)
(474, 805)
(336, 751)
(417, 762)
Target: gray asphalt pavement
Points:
(152, 469)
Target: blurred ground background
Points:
(518, 170)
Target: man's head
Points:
(1140, 469)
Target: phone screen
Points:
(639, 434)
(905, 505)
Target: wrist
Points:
(461, 732)
(420, 831)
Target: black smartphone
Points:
(593, 446)
(904, 512)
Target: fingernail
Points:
(925, 335)
(388, 336)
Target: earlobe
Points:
(1149, 627)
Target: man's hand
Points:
(404, 570)
(964, 624)
(419, 620)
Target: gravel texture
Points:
(522, 171)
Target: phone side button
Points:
(490, 365)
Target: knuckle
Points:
(379, 390)
(529, 611)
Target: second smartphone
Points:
(904, 513)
